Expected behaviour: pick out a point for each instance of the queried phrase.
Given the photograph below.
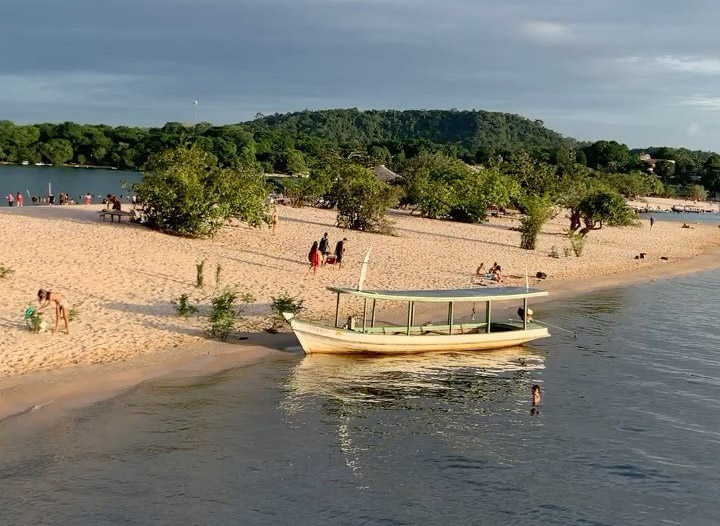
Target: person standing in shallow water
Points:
(652, 221)
(535, 400)
(10, 199)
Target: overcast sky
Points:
(645, 72)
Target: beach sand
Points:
(122, 277)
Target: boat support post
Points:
(451, 315)
(372, 316)
(488, 315)
(364, 315)
(409, 317)
(525, 313)
(337, 311)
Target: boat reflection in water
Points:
(369, 401)
(385, 379)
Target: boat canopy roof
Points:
(446, 295)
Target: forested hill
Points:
(473, 129)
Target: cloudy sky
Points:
(646, 72)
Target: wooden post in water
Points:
(525, 313)
(372, 316)
(488, 315)
(451, 315)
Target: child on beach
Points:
(19, 199)
(10, 199)
(62, 308)
(88, 199)
(314, 257)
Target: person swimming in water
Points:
(62, 308)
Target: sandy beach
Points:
(122, 277)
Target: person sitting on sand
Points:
(314, 257)
(497, 274)
(62, 308)
(685, 225)
(479, 271)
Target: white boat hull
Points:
(315, 338)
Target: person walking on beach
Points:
(324, 247)
(19, 199)
(275, 219)
(88, 199)
(652, 221)
(62, 308)
(340, 252)
(10, 199)
(314, 257)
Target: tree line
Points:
(296, 143)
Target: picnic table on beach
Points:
(115, 213)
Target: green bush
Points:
(577, 242)
(5, 272)
(200, 274)
(34, 318)
(362, 200)
(184, 191)
(73, 314)
(536, 211)
(218, 273)
(284, 303)
(183, 307)
(225, 312)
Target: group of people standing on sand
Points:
(494, 273)
(15, 200)
(320, 253)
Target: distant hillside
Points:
(472, 129)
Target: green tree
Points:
(362, 201)
(697, 192)
(711, 173)
(607, 154)
(57, 151)
(665, 170)
(184, 191)
(604, 208)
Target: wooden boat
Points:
(368, 337)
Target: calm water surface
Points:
(628, 433)
(73, 181)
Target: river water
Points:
(627, 433)
(75, 182)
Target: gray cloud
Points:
(643, 72)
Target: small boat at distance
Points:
(370, 338)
